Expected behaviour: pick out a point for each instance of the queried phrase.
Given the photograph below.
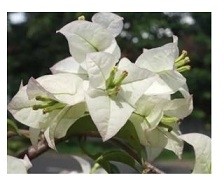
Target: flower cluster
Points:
(96, 81)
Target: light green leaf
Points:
(11, 126)
(202, 148)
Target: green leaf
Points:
(129, 135)
(11, 126)
(82, 126)
(99, 158)
(108, 166)
(117, 156)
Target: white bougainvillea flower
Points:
(113, 91)
(161, 61)
(87, 37)
(155, 120)
(202, 148)
(18, 166)
(37, 103)
(111, 21)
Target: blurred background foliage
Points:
(34, 46)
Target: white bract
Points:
(113, 91)
(110, 21)
(47, 98)
(202, 148)
(88, 37)
(156, 122)
(161, 61)
(18, 166)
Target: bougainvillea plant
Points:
(95, 92)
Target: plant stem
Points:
(149, 168)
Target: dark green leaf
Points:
(117, 156)
(11, 126)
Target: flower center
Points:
(113, 83)
(48, 104)
(181, 61)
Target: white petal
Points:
(131, 92)
(147, 136)
(155, 116)
(114, 49)
(110, 21)
(135, 73)
(158, 87)
(109, 115)
(27, 162)
(34, 88)
(174, 143)
(141, 126)
(151, 107)
(62, 122)
(17, 166)
(68, 65)
(173, 79)
(21, 109)
(179, 108)
(86, 37)
(159, 59)
(202, 149)
(156, 138)
(99, 66)
(66, 88)
(165, 83)
(21, 85)
(136, 83)
(85, 165)
(71, 115)
(184, 91)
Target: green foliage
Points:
(115, 156)
(11, 126)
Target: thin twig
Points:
(33, 152)
(149, 168)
